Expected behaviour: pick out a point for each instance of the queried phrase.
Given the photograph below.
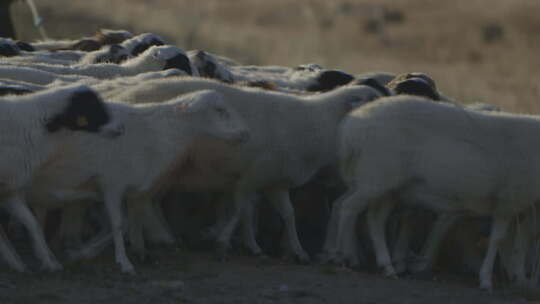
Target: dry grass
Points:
(442, 38)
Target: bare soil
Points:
(178, 276)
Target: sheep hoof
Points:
(222, 252)
(20, 267)
(128, 269)
(323, 258)
(486, 286)
(400, 267)
(391, 274)
(302, 258)
(418, 265)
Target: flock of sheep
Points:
(123, 119)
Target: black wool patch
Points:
(418, 87)
(180, 62)
(85, 112)
(329, 80)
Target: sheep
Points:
(140, 43)
(116, 86)
(154, 59)
(273, 161)
(519, 251)
(417, 84)
(105, 88)
(132, 169)
(208, 66)
(8, 48)
(36, 124)
(386, 156)
(107, 54)
(100, 38)
(309, 78)
(22, 84)
(34, 76)
(382, 78)
(13, 90)
(442, 225)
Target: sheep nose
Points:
(113, 130)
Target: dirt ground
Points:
(178, 276)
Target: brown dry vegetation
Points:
(442, 38)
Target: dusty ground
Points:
(196, 277)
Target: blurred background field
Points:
(476, 50)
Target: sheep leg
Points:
(401, 246)
(332, 228)
(512, 253)
(41, 216)
(93, 249)
(156, 228)
(241, 199)
(431, 247)
(519, 258)
(248, 228)
(71, 225)
(17, 208)
(499, 229)
(135, 228)
(351, 208)
(376, 218)
(9, 254)
(113, 204)
(281, 201)
(330, 241)
(222, 216)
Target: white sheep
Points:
(154, 59)
(409, 150)
(107, 54)
(292, 138)
(443, 222)
(306, 78)
(34, 76)
(140, 43)
(382, 78)
(39, 125)
(159, 142)
(100, 38)
(442, 225)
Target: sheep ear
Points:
(375, 85)
(418, 87)
(329, 80)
